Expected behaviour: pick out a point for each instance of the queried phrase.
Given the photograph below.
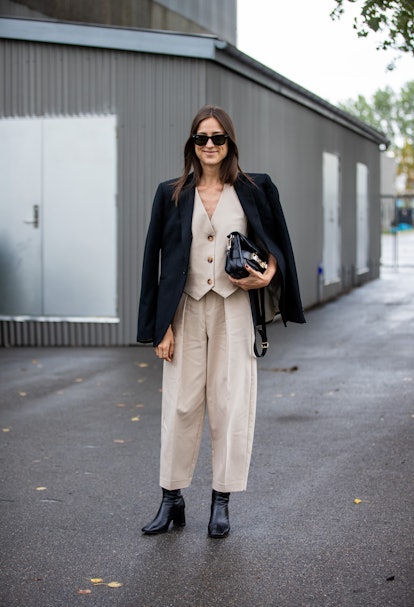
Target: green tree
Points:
(406, 165)
(393, 19)
(379, 112)
(393, 114)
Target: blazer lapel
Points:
(245, 193)
(185, 206)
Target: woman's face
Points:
(211, 155)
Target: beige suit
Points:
(213, 367)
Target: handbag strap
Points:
(261, 322)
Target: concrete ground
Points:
(79, 444)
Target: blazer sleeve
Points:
(150, 271)
(290, 301)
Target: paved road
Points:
(79, 464)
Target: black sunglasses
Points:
(219, 139)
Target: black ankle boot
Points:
(171, 509)
(219, 525)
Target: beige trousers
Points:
(213, 369)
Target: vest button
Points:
(209, 281)
(210, 259)
(210, 238)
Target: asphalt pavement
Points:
(327, 520)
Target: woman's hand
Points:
(256, 280)
(165, 348)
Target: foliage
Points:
(393, 19)
(406, 165)
(393, 114)
(379, 112)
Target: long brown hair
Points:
(229, 168)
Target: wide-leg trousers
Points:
(214, 369)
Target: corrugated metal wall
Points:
(155, 98)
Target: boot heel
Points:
(179, 517)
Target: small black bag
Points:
(242, 251)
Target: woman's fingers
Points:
(256, 280)
(165, 348)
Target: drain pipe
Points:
(320, 282)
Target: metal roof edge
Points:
(101, 36)
(229, 56)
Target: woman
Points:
(199, 319)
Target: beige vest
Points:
(208, 248)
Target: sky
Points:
(298, 39)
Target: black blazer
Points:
(169, 234)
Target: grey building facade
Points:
(93, 118)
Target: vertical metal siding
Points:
(155, 98)
(35, 333)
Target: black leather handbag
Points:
(242, 251)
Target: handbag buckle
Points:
(259, 261)
(230, 239)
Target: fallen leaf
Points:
(5, 429)
(142, 365)
(96, 580)
(78, 380)
(357, 500)
(22, 393)
(41, 488)
(100, 582)
(87, 591)
(114, 585)
(135, 419)
(119, 441)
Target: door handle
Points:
(35, 221)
